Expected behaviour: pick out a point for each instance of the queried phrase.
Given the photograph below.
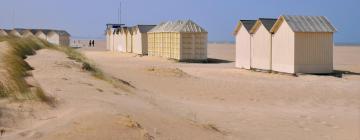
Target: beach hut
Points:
(123, 39)
(58, 37)
(117, 38)
(25, 32)
(303, 44)
(180, 40)
(39, 34)
(108, 40)
(110, 33)
(53, 37)
(140, 39)
(261, 43)
(111, 39)
(14, 33)
(129, 40)
(243, 43)
(3, 32)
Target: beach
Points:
(203, 101)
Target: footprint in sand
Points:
(326, 124)
(31, 134)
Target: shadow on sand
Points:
(340, 73)
(217, 61)
(208, 61)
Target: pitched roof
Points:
(178, 26)
(47, 31)
(307, 23)
(144, 28)
(248, 24)
(268, 22)
(61, 32)
(21, 30)
(6, 30)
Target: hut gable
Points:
(143, 28)
(268, 23)
(22, 31)
(182, 26)
(306, 24)
(248, 24)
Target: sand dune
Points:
(181, 101)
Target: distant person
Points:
(90, 42)
(93, 43)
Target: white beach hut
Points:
(140, 39)
(117, 38)
(303, 44)
(123, 39)
(108, 40)
(261, 44)
(243, 43)
(111, 30)
(129, 40)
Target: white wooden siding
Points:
(313, 52)
(283, 50)
(261, 49)
(243, 46)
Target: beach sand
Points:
(200, 101)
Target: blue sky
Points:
(87, 18)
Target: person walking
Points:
(93, 43)
(90, 43)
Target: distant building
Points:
(303, 44)
(261, 44)
(180, 40)
(243, 43)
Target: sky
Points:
(87, 18)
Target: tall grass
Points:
(14, 68)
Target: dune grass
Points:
(14, 69)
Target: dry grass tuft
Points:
(129, 122)
(212, 127)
